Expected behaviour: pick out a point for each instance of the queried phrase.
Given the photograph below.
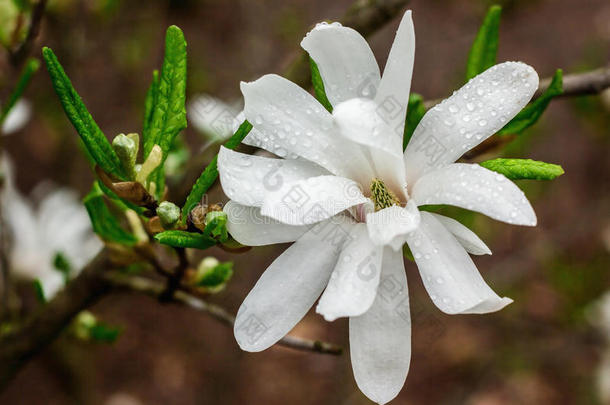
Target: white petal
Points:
(291, 123)
(360, 121)
(52, 281)
(289, 287)
(247, 178)
(389, 226)
(212, 117)
(17, 118)
(249, 227)
(471, 115)
(393, 94)
(380, 339)
(475, 188)
(449, 275)
(312, 200)
(353, 283)
(346, 63)
(468, 239)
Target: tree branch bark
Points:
(20, 345)
(19, 55)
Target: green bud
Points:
(169, 214)
(127, 151)
(150, 164)
(213, 275)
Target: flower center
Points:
(382, 196)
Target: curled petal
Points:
(390, 226)
(468, 239)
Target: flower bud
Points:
(127, 150)
(169, 214)
(151, 163)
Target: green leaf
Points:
(216, 225)
(168, 97)
(485, 46)
(93, 138)
(318, 85)
(31, 66)
(105, 224)
(415, 112)
(524, 169)
(210, 174)
(185, 239)
(39, 291)
(62, 264)
(530, 114)
(103, 333)
(216, 276)
(150, 105)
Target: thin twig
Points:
(19, 55)
(155, 289)
(175, 280)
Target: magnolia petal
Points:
(360, 121)
(468, 239)
(475, 188)
(212, 117)
(290, 123)
(312, 200)
(353, 283)
(345, 60)
(472, 114)
(17, 118)
(449, 275)
(389, 226)
(247, 178)
(249, 227)
(393, 94)
(286, 290)
(380, 339)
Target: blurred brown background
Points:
(542, 349)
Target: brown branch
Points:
(155, 289)
(20, 345)
(365, 16)
(19, 55)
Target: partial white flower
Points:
(348, 196)
(17, 118)
(213, 117)
(58, 225)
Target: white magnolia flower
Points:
(58, 225)
(348, 197)
(17, 118)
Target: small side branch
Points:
(154, 289)
(19, 55)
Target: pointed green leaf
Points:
(530, 114)
(415, 112)
(185, 239)
(150, 105)
(105, 224)
(39, 291)
(210, 174)
(485, 46)
(31, 66)
(524, 169)
(168, 97)
(93, 138)
(318, 85)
